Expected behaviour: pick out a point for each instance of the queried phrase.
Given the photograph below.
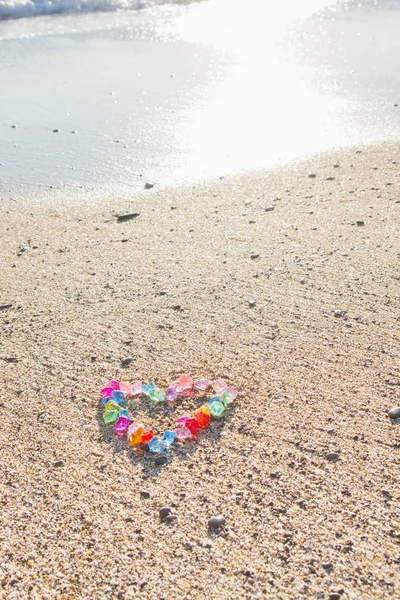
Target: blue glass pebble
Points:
(169, 437)
(118, 397)
(105, 400)
(124, 413)
(146, 388)
(157, 445)
(215, 399)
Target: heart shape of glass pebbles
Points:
(115, 395)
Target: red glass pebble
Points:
(147, 436)
(203, 418)
(193, 425)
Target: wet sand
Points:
(304, 469)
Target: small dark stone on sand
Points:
(339, 313)
(148, 186)
(394, 413)
(127, 216)
(59, 463)
(56, 130)
(162, 292)
(252, 303)
(93, 358)
(336, 166)
(161, 460)
(334, 596)
(332, 456)
(11, 359)
(170, 518)
(302, 281)
(216, 522)
(4, 306)
(360, 223)
(126, 361)
(254, 255)
(165, 511)
(269, 208)
(177, 307)
(145, 494)
(312, 175)
(330, 178)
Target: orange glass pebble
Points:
(135, 433)
(203, 417)
(147, 436)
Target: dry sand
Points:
(75, 518)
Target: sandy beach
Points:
(288, 287)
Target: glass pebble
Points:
(169, 437)
(146, 388)
(124, 413)
(110, 416)
(156, 396)
(216, 409)
(202, 384)
(135, 433)
(171, 394)
(193, 425)
(137, 388)
(203, 418)
(227, 398)
(106, 399)
(118, 397)
(183, 419)
(157, 445)
(185, 383)
(106, 392)
(215, 399)
(126, 388)
(220, 385)
(183, 433)
(147, 436)
(111, 406)
(121, 425)
(232, 392)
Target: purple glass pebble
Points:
(202, 384)
(231, 392)
(171, 394)
(121, 425)
(220, 385)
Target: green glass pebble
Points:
(227, 399)
(157, 396)
(216, 408)
(111, 406)
(110, 416)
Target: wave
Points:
(18, 9)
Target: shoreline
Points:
(85, 291)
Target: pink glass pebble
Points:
(183, 419)
(202, 384)
(185, 383)
(231, 392)
(137, 388)
(121, 425)
(113, 384)
(126, 388)
(188, 394)
(106, 392)
(183, 433)
(171, 394)
(220, 385)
